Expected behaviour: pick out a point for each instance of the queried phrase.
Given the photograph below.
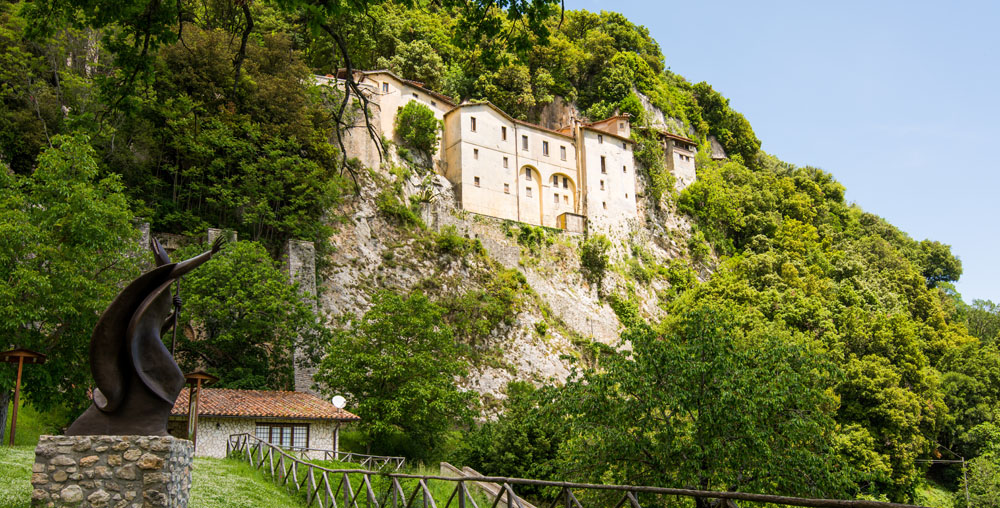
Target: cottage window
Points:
(506, 188)
(527, 192)
(385, 87)
(605, 203)
(545, 148)
(624, 146)
(286, 435)
(604, 164)
(555, 180)
(433, 103)
(602, 184)
(473, 124)
(527, 174)
(624, 169)
(565, 182)
(475, 181)
(556, 196)
(524, 142)
(505, 162)
(415, 96)
(562, 152)
(475, 153)
(566, 199)
(503, 133)
(600, 138)
(621, 125)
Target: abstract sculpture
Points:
(137, 378)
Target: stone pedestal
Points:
(112, 471)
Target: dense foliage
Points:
(417, 127)
(243, 320)
(397, 366)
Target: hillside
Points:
(747, 330)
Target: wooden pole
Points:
(17, 400)
(193, 395)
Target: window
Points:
(527, 192)
(473, 124)
(527, 174)
(505, 163)
(475, 153)
(286, 435)
(475, 181)
(604, 164)
(624, 169)
(624, 146)
(565, 182)
(556, 196)
(524, 142)
(506, 188)
(621, 125)
(555, 180)
(600, 138)
(385, 87)
(562, 152)
(602, 184)
(545, 148)
(626, 195)
(566, 199)
(605, 204)
(415, 96)
(503, 133)
(433, 103)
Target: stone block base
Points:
(112, 471)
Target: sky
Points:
(898, 100)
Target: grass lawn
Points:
(15, 475)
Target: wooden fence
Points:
(327, 488)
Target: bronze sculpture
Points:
(137, 378)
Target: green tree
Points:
(67, 243)
(397, 365)
(418, 128)
(243, 320)
(706, 405)
(594, 258)
(416, 60)
(938, 264)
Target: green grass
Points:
(32, 423)
(227, 483)
(934, 495)
(15, 475)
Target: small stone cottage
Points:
(290, 419)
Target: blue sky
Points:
(898, 100)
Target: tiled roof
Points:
(261, 404)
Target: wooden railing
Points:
(327, 488)
(378, 462)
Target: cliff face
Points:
(557, 317)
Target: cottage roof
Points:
(261, 404)
(669, 135)
(606, 133)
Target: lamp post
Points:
(20, 357)
(195, 380)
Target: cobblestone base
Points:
(112, 471)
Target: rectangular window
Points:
(556, 200)
(527, 174)
(545, 148)
(624, 145)
(555, 180)
(506, 188)
(385, 87)
(566, 200)
(475, 153)
(565, 182)
(475, 181)
(433, 103)
(527, 191)
(415, 96)
(600, 138)
(286, 435)
(605, 203)
(602, 184)
(503, 133)
(621, 125)
(505, 162)
(604, 164)
(562, 152)
(473, 124)
(624, 169)
(524, 142)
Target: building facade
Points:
(575, 177)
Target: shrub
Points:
(394, 209)
(594, 258)
(418, 128)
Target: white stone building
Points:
(289, 419)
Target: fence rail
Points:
(362, 460)
(324, 486)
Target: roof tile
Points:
(261, 403)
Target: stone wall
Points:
(111, 471)
(214, 432)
